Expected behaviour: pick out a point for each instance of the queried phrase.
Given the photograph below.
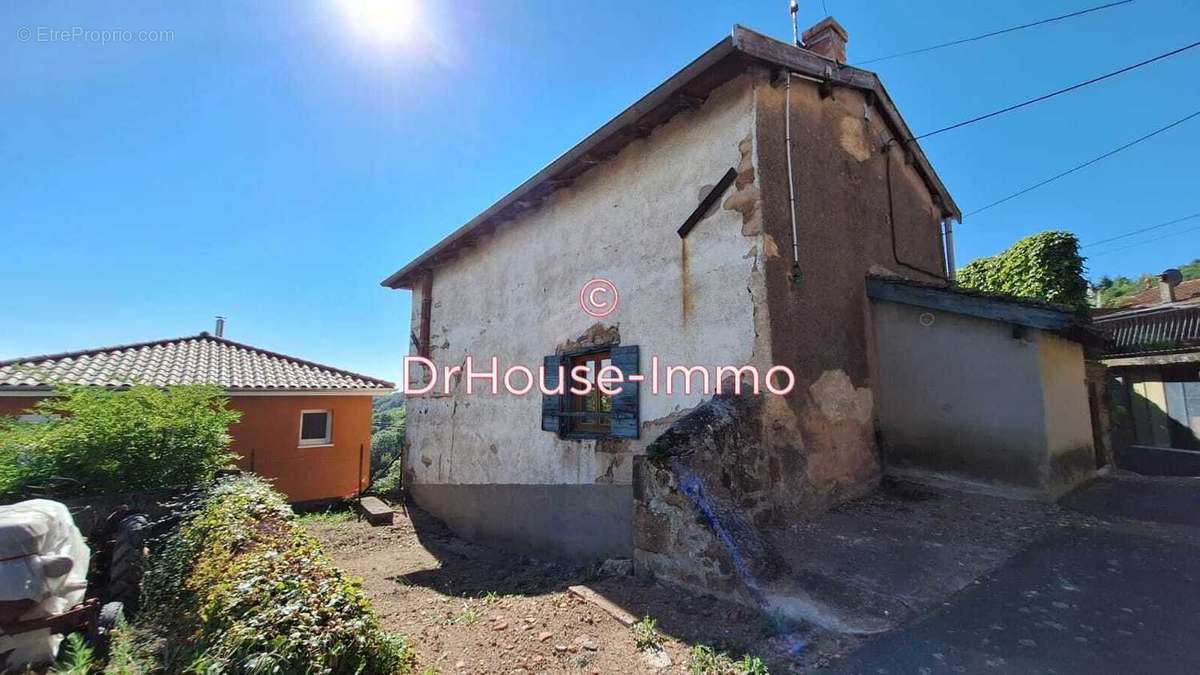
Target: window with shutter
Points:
(595, 414)
(626, 413)
(551, 403)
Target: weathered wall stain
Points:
(771, 460)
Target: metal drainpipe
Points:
(948, 227)
(787, 141)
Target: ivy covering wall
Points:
(1045, 266)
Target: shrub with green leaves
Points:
(646, 635)
(704, 660)
(142, 438)
(245, 589)
(1044, 267)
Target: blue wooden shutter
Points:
(626, 417)
(551, 403)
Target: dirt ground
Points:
(889, 558)
(470, 609)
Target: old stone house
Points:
(764, 206)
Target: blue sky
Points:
(272, 163)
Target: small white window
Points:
(316, 427)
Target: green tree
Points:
(119, 441)
(1045, 266)
(1191, 270)
(387, 419)
(387, 446)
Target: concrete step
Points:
(376, 511)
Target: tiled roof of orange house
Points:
(1187, 290)
(196, 359)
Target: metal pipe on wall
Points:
(787, 143)
(948, 229)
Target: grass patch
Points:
(467, 617)
(704, 660)
(331, 515)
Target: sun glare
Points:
(387, 22)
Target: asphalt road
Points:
(1110, 597)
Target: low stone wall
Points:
(703, 494)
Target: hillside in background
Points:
(1112, 291)
(387, 440)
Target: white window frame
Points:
(317, 442)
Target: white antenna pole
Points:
(794, 7)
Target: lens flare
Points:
(386, 22)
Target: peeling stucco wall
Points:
(515, 296)
(763, 463)
(821, 325)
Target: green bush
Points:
(1044, 267)
(119, 441)
(243, 588)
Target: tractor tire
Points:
(99, 633)
(128, 562)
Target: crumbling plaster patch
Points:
(746, 196)
(838, 398)
(853, 138)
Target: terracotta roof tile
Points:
(1184, 291)
(197, 359)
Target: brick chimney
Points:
(827, 38)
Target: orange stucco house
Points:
(305, 426)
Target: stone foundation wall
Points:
(704, 495)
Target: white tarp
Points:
(43, 557)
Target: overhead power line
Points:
(1144, 229)
(1086, 164)
(1052, 94)
(1148, 241)
(994, 33)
